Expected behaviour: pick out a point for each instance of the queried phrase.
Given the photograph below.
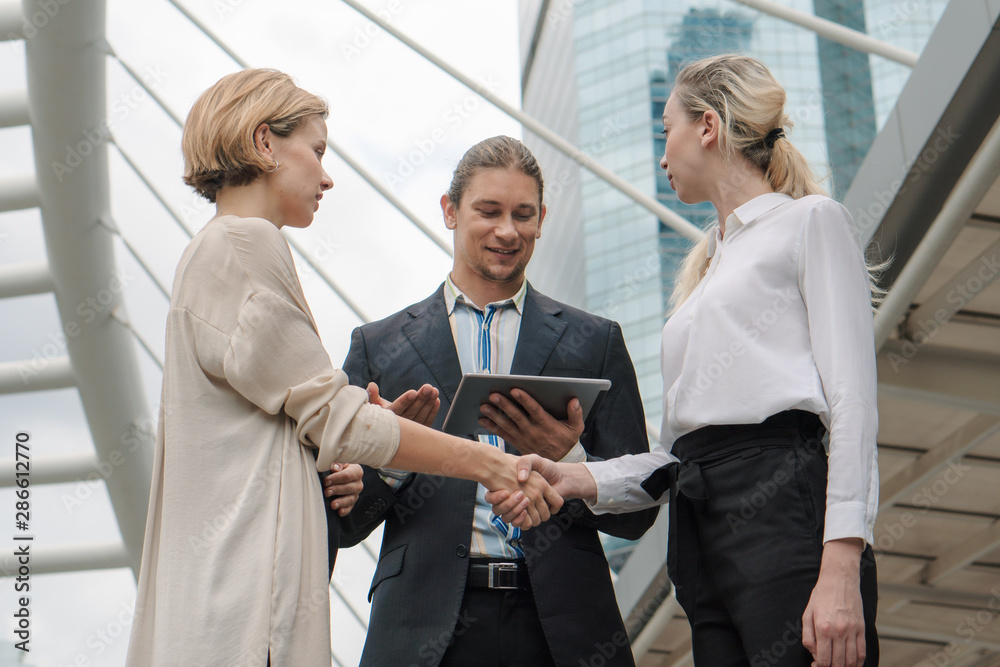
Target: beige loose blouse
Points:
(234, 563)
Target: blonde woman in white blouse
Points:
(234, 563)
(770, 344)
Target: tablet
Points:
(552, 393)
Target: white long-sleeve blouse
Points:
(781, 321)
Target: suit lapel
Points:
(540, 331)
(429, 331)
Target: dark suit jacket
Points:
(420, 579)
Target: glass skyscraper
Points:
(613, 71)
(903, 23)
(699, 34)
(619, 47)
(849, 109)
(626, 55)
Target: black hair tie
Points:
(772, 136)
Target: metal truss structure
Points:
(927, 193)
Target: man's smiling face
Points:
(495, 224)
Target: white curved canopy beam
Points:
(66, 95)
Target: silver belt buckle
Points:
(502, 576)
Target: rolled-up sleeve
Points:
(277, 362)
(834, 283)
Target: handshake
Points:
(524, 490)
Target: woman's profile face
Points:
(299, 181)
(682, 152)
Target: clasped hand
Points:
(343, 486)
(568, 480)
(528, 498)
(526, 426)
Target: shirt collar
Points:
(453, 295)
(757, 207)
(745, 214)
(713, 241)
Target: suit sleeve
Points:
(376, 497)
(618, 428)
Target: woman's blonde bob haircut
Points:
(218, 140)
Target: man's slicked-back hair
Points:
(499, 152)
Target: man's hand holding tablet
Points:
(534, 414)
(528, 428)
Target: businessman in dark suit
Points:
(453, 586)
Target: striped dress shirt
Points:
(485, 339)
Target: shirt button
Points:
(461, 551)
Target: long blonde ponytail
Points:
(751, 105)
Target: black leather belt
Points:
(498, 575)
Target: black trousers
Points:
(498, 628)
(746, 537)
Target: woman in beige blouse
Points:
(234, 564)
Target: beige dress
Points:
(234, 563)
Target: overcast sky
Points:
(398, 115)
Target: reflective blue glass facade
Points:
(627, 54)
(618, 47)
(847, 95)
(699, 34)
